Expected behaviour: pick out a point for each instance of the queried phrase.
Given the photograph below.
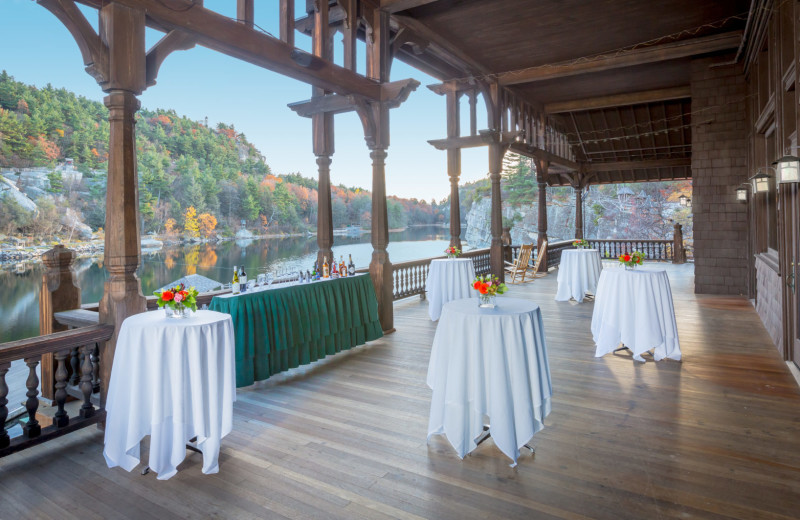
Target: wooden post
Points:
(324, 210)
(496, 152)
(380, 268)
(541, 175)
(454, 165)
(59, 292)
(123, 31)
(506, 237)
(678, 252)
(579, 212)
(245, 13)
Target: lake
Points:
(19, 306)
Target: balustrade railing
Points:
(654, 250)
(84, 364)
(410, 277)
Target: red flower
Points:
(484, 288)
(638, 260)
(626, 258)
(476, 285)
(167, 296)
(183, 293)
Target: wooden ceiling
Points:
(614, 73)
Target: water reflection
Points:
(19, 306)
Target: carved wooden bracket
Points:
(93, 50)
(172, 41)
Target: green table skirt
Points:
(279, 329)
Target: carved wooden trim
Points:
(172, 41)
(93, 50)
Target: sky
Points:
(37, 49)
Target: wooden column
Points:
(578, 212)
(123, 31)
(323, 138)
(245, 12)
(324, 210)
(454, 165)
(496, 153)
(541, 175)
(380, 268)
(59, 292)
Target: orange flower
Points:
(167, 296)
(484, 288)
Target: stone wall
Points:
(768, 304)
(718, 167)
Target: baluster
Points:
(87, 410)
(4, 438)
(61, 418)
(76, 367)
(96, 368)
(32, 429)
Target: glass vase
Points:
(486, 301)
(179, 312)
(630, 267)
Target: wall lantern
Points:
(760, 182)
(688, 203)
(788, 169)
(683, 200)
(741, 193)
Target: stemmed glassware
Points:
(270, 278)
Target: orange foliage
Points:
(208, 258)
(60, 132)
(207, 223)
(95, 153)
(270, 181)
(22, 106)
(163, 119)
(50, 149)
(169, 226)
(229, 132)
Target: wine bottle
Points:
(235, 281)
(325, 268)
(243, 280)
(314, 271)
(351, 267)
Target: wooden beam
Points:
(395, 6)
(544, 156)
(632, 98)
(641, 56)
(454, 52)
(172, 41)
(470, 141)
(393, 95)
(222, 34)
(639, 165)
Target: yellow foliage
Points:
(169, 225)
(207, 223)
(191, 228)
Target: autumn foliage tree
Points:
(191, 228)
(169, 226)
(207, 223)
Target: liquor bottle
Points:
(342, 267)
(309, 277)
(314, 271)
(334, 269)
(325, 268)
(351, 267)
(235, 281)
(243, 280)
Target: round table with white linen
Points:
(578, 273)
(448, 279)
(634, 307)
(172, 379)
(489, 362)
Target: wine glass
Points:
(260, 280)
(270, 278)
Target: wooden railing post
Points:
(5, 440)
(59, 292)
(678, 251)
(508, 254)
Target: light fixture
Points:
(688, 203)
(683, 200)
(741, 193)
(788, 169)
(760, 181)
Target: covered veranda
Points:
(714, 436)
(600, 92)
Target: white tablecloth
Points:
(448, 279)
(635, 308)
(578, 273)
(173, 379)
(489, 362)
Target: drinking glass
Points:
(260, 279)
(270, 278)
(251, 285)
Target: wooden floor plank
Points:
(716, 436)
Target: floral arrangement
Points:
(178, 298)
(452, 252)
(631, 259)
(489, 285)
(580, 243)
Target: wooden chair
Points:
(520, 267)
(535, 269)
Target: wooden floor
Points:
(716, 436)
